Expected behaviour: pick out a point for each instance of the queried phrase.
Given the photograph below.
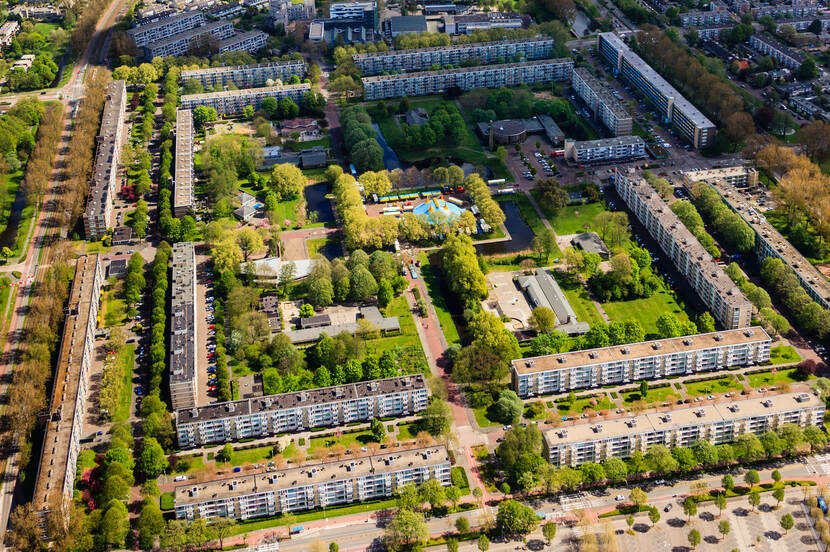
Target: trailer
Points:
(496, 182)
(504, 191)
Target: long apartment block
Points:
(234, 101)
(166, 27)
(183, 179)
(322, 485)
(696, 18)
(716, 290)
(488, 76)
(249, 41)
(102, 188)
(770, 47)
(62, 439)
(716, 423)
(183, 376)
(421, 59)
(741, 177)
(770, 243)
(648, 360)
(605, 150)
(602, 102)
(785, 10)
(178, 45)
(301, 410)
(247, 76)
(671, 106)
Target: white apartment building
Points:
(770, 47)
(602, 102)
(725, 301)
(326, 484)
(102, 188)
(56, 473)
(468, 78)
(670, 105)
(633, 362)
(164, 28)
(234, 101)
(250, 41)
(179, 44)
(301, 410)
(285, 11)
(696, 18)
(7, 32)
(785, 10)
(422, 59)
(184, 380)
(770, 243)
(606, 150)
(740, 177)
(183, 172)
(716, 423)
(246, 76)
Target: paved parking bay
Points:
(203, 395)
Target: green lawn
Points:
(315, 244)
(407, 431)
(5, 293)
(577, 295)
(645, 310)
(297, 146)
(658, 395)
(193, 463)
(126, 359)
(580, 405)
(115, 308)
(249, 456)
(349, 440)
(11, 183)
(720, 385)
(95, 247)
(408, 336)
(438, 301)
(481, 418)
(783, 354)
(167, 501)
(571, 219)
(775, 377)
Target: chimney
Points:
(492, 137)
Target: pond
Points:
(316, 200)
(390, 158)
(519, 231)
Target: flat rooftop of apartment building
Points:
(232, 68)
(165, 21)
(300, 399)
(609, 142)
(247, 92)
(476, 69)
(196, 31)
(643, 349)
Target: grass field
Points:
(167, 501)
(571, 219)
(646, 310)
(580, 405)
(775, 377)
(115, 308)
(407, 431)
(720, 385)
(579, 299)
(349, 440)
(249, 456)
(126, 359)
(658, 395)
(11, 183)
(438, 301)
(297, 146)
(408, 336)
(481, 418)
(315, 244)
(783, 354)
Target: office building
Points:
(606, 150)
(422, 59)
(56, 472)
(184, 382)
(250, 41)
(98, 213)
(716, 423)
(180, 44)
(740, 177)
(716, 290)
(246, 76)
(671, 106)
(313, 485)
(602, 103)
(7, 32)
(284, 12)
(770, 243)
(648, 360)
(301, 410)
(466, 78)
(770, 47)
(183, 178)
(466, 24)
(165, 27)
(234, 101)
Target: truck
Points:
(296, 529)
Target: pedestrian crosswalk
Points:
(818, 464)
(577, 501)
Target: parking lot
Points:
(205, 339)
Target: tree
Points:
(483, 543)
(778, 495)
(551, 195)
(549, 531)
(250, 242)
(150, 523)
(433, 493)
(225, 454)
(436, 418)
(407, 527)
(462, 524)
(363, 284)
(152, 461)
(807, 70)
(787, 523)
(542, 319)
(408, 497)
(629, 519)
(514, 518)
(723, 528)
(739, 125)
(694, 538)
(689, 508)
(385, 293)
(752, 478)
(638, 497)
(727, 482)
(6, 253)
(720, 502)
(754, 499)
(653, 515)
(203, 115)
(453, 495)
(378, 431)
(508, 409)
(544, 243)
(615, 469)
(776, 476)
(287, 181)
(115, 524)
(643, 389)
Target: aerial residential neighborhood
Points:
(415, 276)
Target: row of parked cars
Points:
(211, 334)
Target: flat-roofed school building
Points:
(319, 485)
(717, 423)
(648, 360)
